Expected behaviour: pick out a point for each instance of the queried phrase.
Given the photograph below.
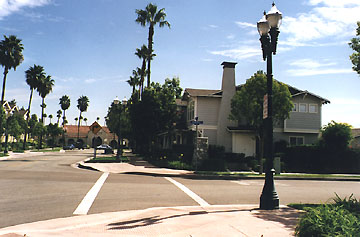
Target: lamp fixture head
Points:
(263, 25)
(274, 17)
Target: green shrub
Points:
(179, 165)
(351, 204)
(328, 220)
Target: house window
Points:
(313, 108)
(191, 110)
(296, 141)
(294, 109)
(303, 108)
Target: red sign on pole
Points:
(265, 107)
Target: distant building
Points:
(89, 135)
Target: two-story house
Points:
(213, 108)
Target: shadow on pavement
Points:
(287, 216)
(158, 219)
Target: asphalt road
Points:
(41, 187)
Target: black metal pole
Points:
(269, 199)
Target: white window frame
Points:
(316, 108)
(306, 108)
(296, 137)
(295, 108)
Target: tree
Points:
(44, 88)
(154, 113)
(53, 131)
(65, 104)
(151, 16)
(33, 77)
(10, 57)
(58, 115)
(355, 45)
(248, 104)
(16, 125)
(85, 119)
(50, 117)
(83, 103)
(143, 53)
(336, 136)
(135, 80)
(118, 123)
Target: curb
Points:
(82, 165)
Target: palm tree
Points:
(83, 103)
(50, 117)
(142, 54)
(135, 80)
(65, 104)
(151, 16)
(58, 115)
(44, 88)
(33, 77)
(10, 57)
(85, 119)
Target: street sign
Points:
(265, 107)
(195, 122)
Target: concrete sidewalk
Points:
(228, 220)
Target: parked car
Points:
(79, 145)
(69, 147)
(107, 149)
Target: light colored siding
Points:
(207, 109)
(211, 135)
(304, 120)
(309, 138)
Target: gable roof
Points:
(201, 92)
(72, 130)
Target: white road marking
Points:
(241, 183)
(190, 193)
(88, 200)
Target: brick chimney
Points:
(224, 137)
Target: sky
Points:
(88, 46)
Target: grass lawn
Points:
(295, 175)
(55, 149)
(107, 159)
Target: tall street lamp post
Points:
(268, 28)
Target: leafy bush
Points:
(213, 165)
(351, 204)
(179, 165)
(328, 220)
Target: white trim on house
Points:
(299, 130)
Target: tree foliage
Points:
(355, 45)
(156, 112)
(248, 101)
(16, 125)
(336, 136)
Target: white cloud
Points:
(328, 18)
(239, 53)
(7, 7)
(245, 24)
(310, 67)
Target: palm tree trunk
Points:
(27, 120)
(78, 135)
(63, 134)
(150, 42)
(42, 121)
(6, 70)
(143, 70)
